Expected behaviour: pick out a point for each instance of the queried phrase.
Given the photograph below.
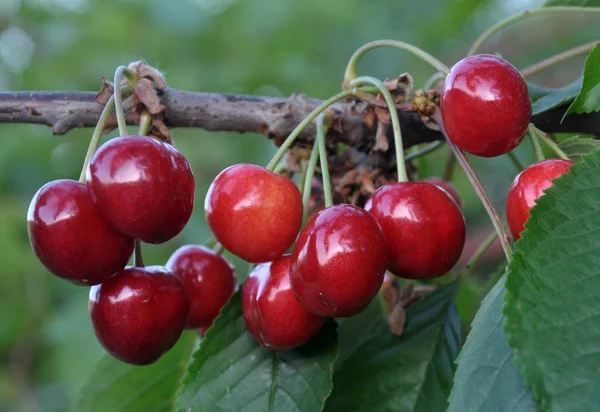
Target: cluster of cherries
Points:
(140, 189)
(137, 188)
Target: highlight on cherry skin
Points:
(485, 105)
(208, 279)
(139, 314)
(272, 313)
(339, 261)
(529, 186)
(145, 188)
(69, 236)
(424, 228)
(254, 213)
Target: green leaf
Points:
(116, 386)
(576, 147)
(232, 372)
(557, 97)
(412, 372)
(552, 307)
(487, 378)
(588, 99)
(536, 91)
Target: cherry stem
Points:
(350, 73)
(307, 189)
(551, 143)
(138, 260)
(450, 163)
(145, 122)
(218, 248)
(479, 189)
(515, 161)
(400, 165)
(483, 247)
(422, 151)
(522, 16)
(305, 122)
(279, 168)
(537, 148)
(120, 72)
(559, 58)
(321, 132)
(429, 83)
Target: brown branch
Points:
(273, 117)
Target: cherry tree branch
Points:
(273, 117)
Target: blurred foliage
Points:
(266, 47)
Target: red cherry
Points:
(254, 213)
(209, 282)
(143, 187)
(271, 310)
(339, 261)
(139, 314)
(447, 186)
(527, 187)
(424, 228)
(485, 105)
(70, 238)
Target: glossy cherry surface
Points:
(527, 187)
(447, 186)
(424, 228)
(485, 105)
(209, 282)
(143, 187)
(139, 314)
(69, 236)
(339, 261)
(271, 310)
(254, 213)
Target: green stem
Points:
(433, 79)
(96, 136)
(350, 73)
(302, 178)
(559, 58)
(522, 16)
(478, 187)
(321, 132)
(485, 245)
(551, 143)
(120, 72)
(515, 161)
(310, 173)
(359, 81)
(307, 120)
(450, 163)
(138, 260)
(145, 122)
(422, 151)
(218, 248)
(537, 148)
(279, 168)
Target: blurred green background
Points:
(263, 47)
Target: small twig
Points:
(559, 58)
(483, 247)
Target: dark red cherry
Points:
(143, 187)
(139, 314)
(272, 312)
(254, 213)
(424, 228)
(70, 238)
(485, 105)
(339, 261)
(447, 186)
(209, 282)
(527, 187)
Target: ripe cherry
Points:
(447, 186)
(209, 282)
(143, 187)
(139, 314)
(527, 187)
(485, 105)
(271, 310)
(424, 228)
(69, 236)
(339, 261)
(253, 213)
